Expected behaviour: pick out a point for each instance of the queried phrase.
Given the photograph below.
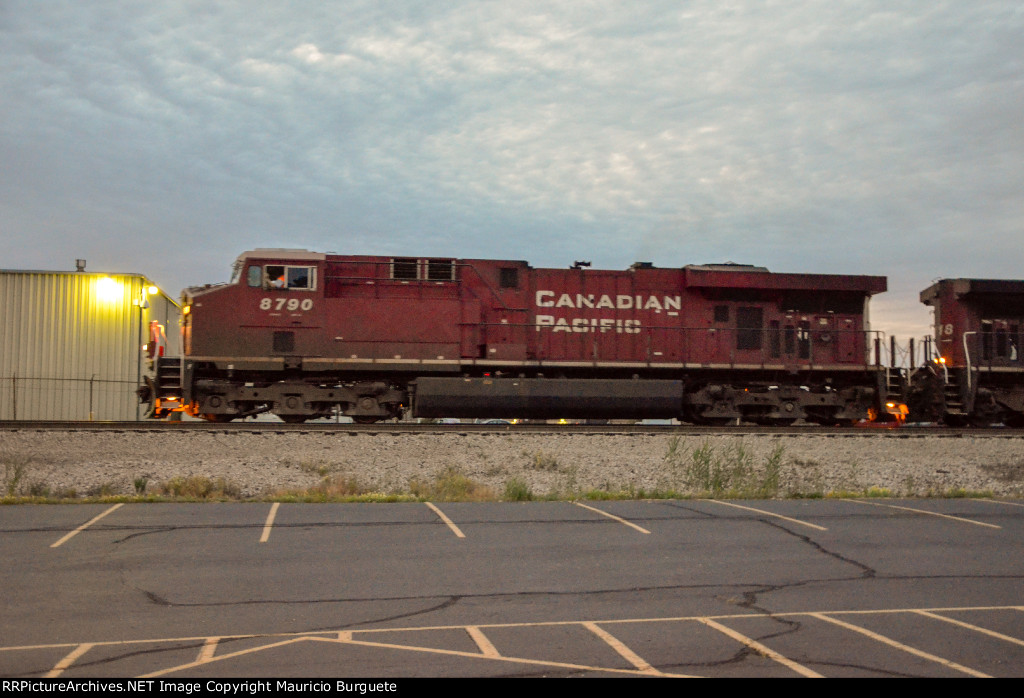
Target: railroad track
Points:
(413, 428)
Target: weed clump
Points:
(199, 487)
(450, 485)
(731, 471)
(543, 461)
(16, 467)
(517, 490)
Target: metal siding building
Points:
(71, 343)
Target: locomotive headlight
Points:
(152, 290)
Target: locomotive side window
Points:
(441, 270)
(254, 277)
(509, 277)
(405, 269)
(296, 278)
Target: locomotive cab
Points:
(975, 373)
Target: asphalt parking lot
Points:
(874, 587)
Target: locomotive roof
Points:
(723, 275)
(282, 253)
(739, 276)
(965, 287)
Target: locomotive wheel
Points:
(218, 418)
(365, 420)
(293, 418)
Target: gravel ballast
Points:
(264, 463)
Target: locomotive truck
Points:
(304, 335)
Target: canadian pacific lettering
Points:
(547, 299)
(550, 299)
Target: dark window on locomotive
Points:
(299, 277)
(721, 313)
(280, 276)
(804, 335)
(405, 269)
(509, 277)
(775, 339)
(284, 342)
(749, 325)
(441, 270)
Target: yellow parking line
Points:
(624, 651)
(451, 525)
(69, 659)
(387, 645)
(613, 516)
(270, 522)
(220, 658)
(485, 645)
(209, 649)
(969, 626)
(86, 525)
(1000, 501)
(512, 660)
(899, 645)
(767, 513)
(761, 649)
(925, 511)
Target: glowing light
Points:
(152, 290)
(108, 290)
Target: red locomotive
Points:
(975, 371)
(303, 334)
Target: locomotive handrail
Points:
(967, 358)
(685, 341)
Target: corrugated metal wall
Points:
(71, 343)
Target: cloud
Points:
(848, 137)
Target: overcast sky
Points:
(864, 137)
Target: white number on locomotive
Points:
(286, 304)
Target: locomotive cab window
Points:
(292, 278)
(254, 277)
